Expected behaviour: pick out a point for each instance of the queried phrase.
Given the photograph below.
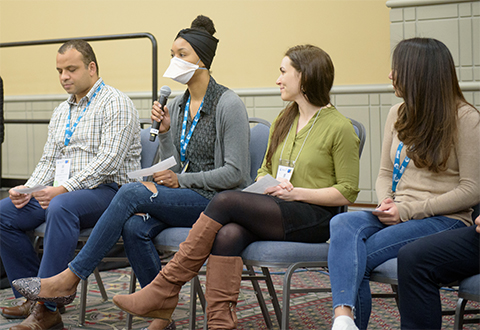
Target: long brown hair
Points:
(424, 76)
(317, 74)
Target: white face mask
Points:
(180, 70)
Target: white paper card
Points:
(284, 172)
(38, 187)
(259, 187)
(162, 166)
(62, 171)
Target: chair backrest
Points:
(258, 144)
(476, 211)
(360, 130)
(149, 148)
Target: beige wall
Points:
(253, 37)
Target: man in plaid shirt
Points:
(93, 142)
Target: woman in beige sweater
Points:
(428, 181)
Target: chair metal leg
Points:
(273, 294)
(193, 304)
(287, 282)
(459, 313)
(196, 289)
(259, 294)
(395, 290)
(101, 287)
(131, 289)
(83, 302)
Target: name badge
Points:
(284, 172)
(62, 171)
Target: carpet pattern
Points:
(307, 311)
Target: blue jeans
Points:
(359, 242)
(66, 215)
(168, 207)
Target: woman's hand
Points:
(161, 116)
(387, 212)
(166, 178)
(284, 190)
(477, 222)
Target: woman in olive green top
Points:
(312, 151)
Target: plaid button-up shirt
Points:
(104, 146)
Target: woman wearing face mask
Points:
(206, 130)
(312, 142)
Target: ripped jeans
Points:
(169, 207)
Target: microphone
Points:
(162, 99)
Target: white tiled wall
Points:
(367, 104)
(456, 23)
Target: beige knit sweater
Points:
(422, 193)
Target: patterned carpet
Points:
(308, 311)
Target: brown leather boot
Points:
(224, 275)
(23, 311)
(160, 297)
(41, 319)
(18, 312)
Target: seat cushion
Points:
(40, 231)
(386, 272)
(471, 286)
(171, 238)
(282, 254)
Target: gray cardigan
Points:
(232, 157)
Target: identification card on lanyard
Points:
(285, 171)
(184, 140)
(62, 171)
(69, 131)
(397, 169)
(285, 167)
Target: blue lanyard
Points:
(69, 131)
(397, 169)
(185, 140)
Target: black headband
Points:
(202, 42)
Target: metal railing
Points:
(88, 39)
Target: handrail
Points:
(100, 38)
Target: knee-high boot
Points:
(160, 297)
(224, 275)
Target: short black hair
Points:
(83, 48)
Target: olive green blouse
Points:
(329, 157)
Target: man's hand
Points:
(387, 212)
(18, 199)
(45, 196)
(477, 222)
(166, 178)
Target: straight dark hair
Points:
(317, 73)
(83, 48)
(424, 76)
